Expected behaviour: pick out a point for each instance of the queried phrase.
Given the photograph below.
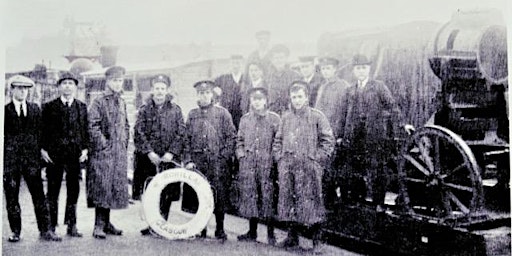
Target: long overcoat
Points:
(107, 181)
(329, 100)
(254, 151)
(210, 144)
(231, 95)
(302, 147)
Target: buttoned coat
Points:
(254, 151)
(329, 100)
(107, 181)
(303, 144)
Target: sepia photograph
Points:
(285, 127)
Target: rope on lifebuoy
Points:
(151, 203)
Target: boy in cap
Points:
(254, 152)
(159, 139)
(65, 144)
(308, 70)
(22, 145)
(107, 182)
(210, 144)
(302, 147)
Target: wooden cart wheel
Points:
(438, 174)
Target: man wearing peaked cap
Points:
(310, 73)
(360, 59)
(22, 145)
(328, 61)
(65, 144)
(161, 79)
(115, 72)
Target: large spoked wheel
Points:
(438, 175)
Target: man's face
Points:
(328, 71)
(205, 97)
(263, 41)
(258, 102)
(20, 93)
(361, 72)
(67, 88)
(236, 65)
(307, 69)
(255, 72)
(279, 60)
(299, 99)
(159, 91)
(115, 84)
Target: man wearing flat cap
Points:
(159, 140)
(370, 117)
(279, 79)
(107, 181)
(262, 53)
(22, 154)
(256, 177)
(65, 144)
(210, 144)
(309, 72)
(329, 100)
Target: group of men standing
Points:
(299, 142)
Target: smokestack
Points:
(108, 55)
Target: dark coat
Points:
(302, 147)
(278, 84)
(159, 130)
(22, 137)
(314, 84)
(107, 181)
(254, 151)
(60, 134)
(329, 100)
(231, 95)
(210, 144)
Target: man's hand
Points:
(45, 156)
(154, 158)
(167, 158)
(190, 166)
(409, 129)
(83, 156)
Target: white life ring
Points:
(151, 203)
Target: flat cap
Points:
(307, 58)
(20, 81)
(360, 59)
(161, 78)
(115, 71)
(328, 61)
(204, 85)
(67, 76)
(258, 92)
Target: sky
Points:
(152, 22)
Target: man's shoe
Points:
(289, 242)
(202, 235)
(247, 237)
(111, 230)
(14, 238)
(98, 233)
(146, 231)
(73, 232)
(221, 235)
(50, 236)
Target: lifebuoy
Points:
(151, 203)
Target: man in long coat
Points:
(65, 145)
(159, 140)
(107, 181)
(302, 147)
(369, 120)
(254, 152)
(279, 79)
(329, 98)
(22, 145)
(210, 145)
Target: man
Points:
(159, 139)
(22, 145)
(230, 88)
(369, 114)
(309, 72)
(211, 138)
(254, 152)
(255, 79)
(262, 54)
(279, 79)
(107, 181)
(302, 147)
(65, 144)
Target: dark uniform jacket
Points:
(329, 100)
(231, 95)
